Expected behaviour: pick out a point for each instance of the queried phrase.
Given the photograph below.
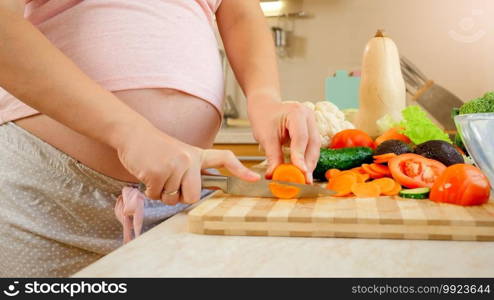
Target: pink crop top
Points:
(124, 44)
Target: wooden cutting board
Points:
(383, 217)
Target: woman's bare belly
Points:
(185, 117)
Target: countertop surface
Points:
(168, 250)
(235, 135)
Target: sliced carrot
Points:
(358, 169)
(342, 184)
(348, 172)
(384, 157)
(332, 173)
(366, 190)
(364, 177)
(380, 161)
(395, 191)
(288, 172)
(386, 184)
(381, 169)
(361, 177)
(283, 191)
(372, 173)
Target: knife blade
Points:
(435, 99)
(260, 188)
(439, 102)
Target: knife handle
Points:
(214, 182)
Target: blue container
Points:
(343, 90)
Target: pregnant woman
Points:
(103, 97)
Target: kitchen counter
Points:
(235, 135)
(168, 250)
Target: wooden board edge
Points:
(195, 225)
(415, 232)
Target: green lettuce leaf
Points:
(419, 128)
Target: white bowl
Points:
(477, 133)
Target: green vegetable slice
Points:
(420, 193)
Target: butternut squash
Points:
(382, 88)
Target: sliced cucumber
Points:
(420, 193)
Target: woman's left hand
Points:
(275, 123)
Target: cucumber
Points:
(420, 193)
(342, 159)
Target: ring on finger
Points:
(171, 193)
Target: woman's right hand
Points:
(167, 166)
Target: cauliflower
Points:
(330, 120)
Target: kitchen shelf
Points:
(300, 14)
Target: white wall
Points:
(422, 29)
(335, 36)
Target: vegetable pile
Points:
(411, 159)
(358, 181)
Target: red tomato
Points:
(461, 184)
(414, 171)
(351, 138)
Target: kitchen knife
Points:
(434, 98)
(260, 188)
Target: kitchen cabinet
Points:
(242, 143)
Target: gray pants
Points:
(56, 214)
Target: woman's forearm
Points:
(249, 46)
(37, 73)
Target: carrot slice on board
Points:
(381, 169)
(283, 191)
(384, 157)
(348, 172)
(366, 190)
(372, 173)
(364, 177)
(288, 172)
(361, 177)
(395, 191)
(332, 173)
(386, 184)
(342, 184)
